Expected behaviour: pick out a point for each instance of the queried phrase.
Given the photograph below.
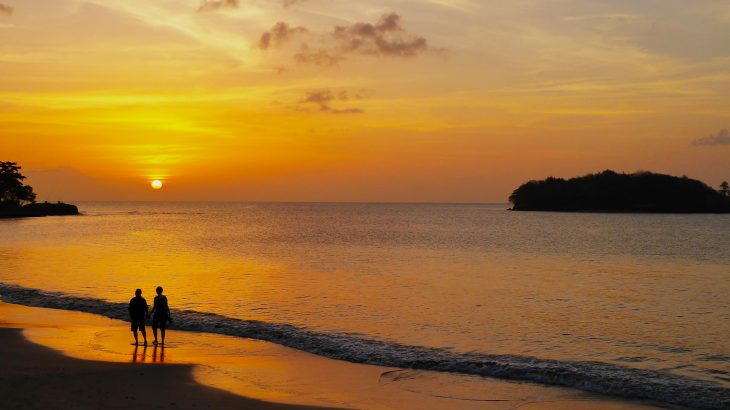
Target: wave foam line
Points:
(596, 377)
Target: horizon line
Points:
(293, 202)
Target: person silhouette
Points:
(160, 315)
(138, 312)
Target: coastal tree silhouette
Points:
(12, 190)
(18, 200)
(725, 189)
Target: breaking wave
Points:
(597, 377)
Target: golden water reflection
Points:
(467, 278)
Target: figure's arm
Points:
(154, 307)
(129, 308)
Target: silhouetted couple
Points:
(139, 312)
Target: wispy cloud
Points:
(320, 56)
(324, 98)
(279, 34)
(721, 138)
(211, 5)
(382, 38)
(5, 9)
(386, 38)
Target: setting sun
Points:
(156, 184)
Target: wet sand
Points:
(61, 359)
(34, 376)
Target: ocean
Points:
(634, 305)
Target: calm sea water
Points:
(636, 291)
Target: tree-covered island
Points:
(18, 200)
(609, 191)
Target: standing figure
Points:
(138, 312)
(160, 315)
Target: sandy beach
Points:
(61, 359)
(37, 377)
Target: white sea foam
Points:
(596, 377)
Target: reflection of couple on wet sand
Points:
(139, 312)
(142, 357)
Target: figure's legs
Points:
(144, 335)
(136, 341)
(162, 330)
(154, 332)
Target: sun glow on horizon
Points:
(156, 184)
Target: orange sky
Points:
(332, 100)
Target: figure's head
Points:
(159, 290)
(138, 292)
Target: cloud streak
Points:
(278, 35)
(721, 138)
(212, 5)
(385, 38)
(325, 97)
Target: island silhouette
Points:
(610, 191)
(18, 200)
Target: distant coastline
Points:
(609, 191)
(17, 200)
(38, 209)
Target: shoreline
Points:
(34, 376)
(242, 373)
(589, 377)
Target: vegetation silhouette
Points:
(725, 189)
(609, 191)
(12, 190)
(18, 199)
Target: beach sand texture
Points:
(35, 377)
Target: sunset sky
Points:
(334, 100)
